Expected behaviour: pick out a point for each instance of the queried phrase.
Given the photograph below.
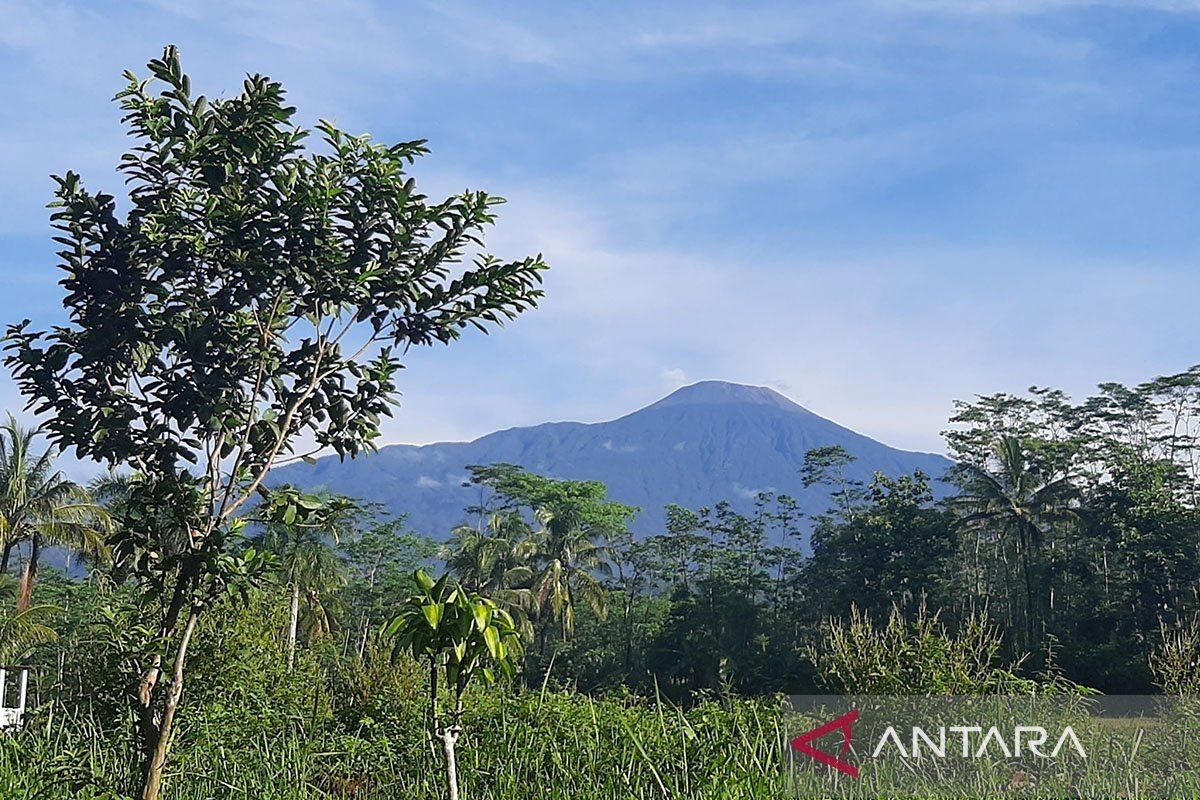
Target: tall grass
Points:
(553, 745)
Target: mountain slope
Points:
(701, 444)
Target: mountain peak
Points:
(709, 393)
(703, 443)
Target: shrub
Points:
(921, 656)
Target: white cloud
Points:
(426, 482)
(674, 378)
(750, 494)
(880, 333)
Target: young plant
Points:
(459, 635)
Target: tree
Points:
(309, 566)
(574, 518)
(457, 633)
(894, 554)
(381, 555)
(680, 544)
(253, 301)
(40, 506)
(25, 628)
(1015, 501)
(496, 560)
(826, 466)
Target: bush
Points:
(917, 657)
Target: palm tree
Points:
(570, 553)
(494, 560)
(22, 630)
(1015, 501)
(312, 570)
(567, 550)
(40, 506)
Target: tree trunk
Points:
(449, 737)
(8, 547)
(1031, 615)
(159, 739)
(293, 624)
(362, 642)
(25, 591)
(150, 689)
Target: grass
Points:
(544, 744)
(551, 745)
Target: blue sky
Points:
(874, 207)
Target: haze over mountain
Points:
(703, 443)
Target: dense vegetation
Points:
(1067, 557)
(250, 309)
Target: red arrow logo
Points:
(802, 743)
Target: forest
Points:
(204, 632)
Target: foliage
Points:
(380, 555)
(566, 549)
(254, 298)
(895, 551)
(459, 634)
(457, 631)
(1175, 662)
(40, 506)
(21, 631)
(920, 657)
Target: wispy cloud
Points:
(859, 202)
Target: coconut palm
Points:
(570, 555)
(494, 560)
(566, 550)
(312, 570)
(22, 630)
(1013, 500)
(40, 506)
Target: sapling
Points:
(459, 635)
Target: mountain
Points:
(701, 444)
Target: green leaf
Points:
(492, 637)
(483, 616)
(423, 580)
(433, 614)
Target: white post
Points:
(24, 685)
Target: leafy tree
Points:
(23, 629)
(381, 556)
(680, 545)
(826, 466)
(574, 520)
(40, 506)
(252, 301)
(459, 634)
(786, 519)
(496, 560)
(1156, 537)
(896, 552)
